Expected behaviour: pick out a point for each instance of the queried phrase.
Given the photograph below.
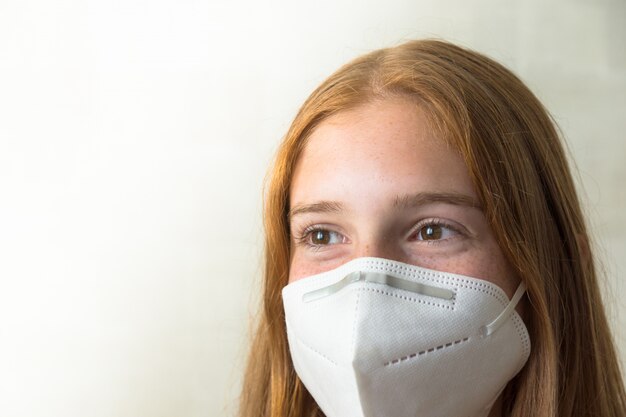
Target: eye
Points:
(434, 231)
(322, 237)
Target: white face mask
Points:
(379, 338)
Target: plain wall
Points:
(134, 138)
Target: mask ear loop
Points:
(491, 328)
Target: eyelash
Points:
(303, 237)
(434, 222)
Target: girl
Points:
(426, 253)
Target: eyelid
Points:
(454, 226)
(306, 231)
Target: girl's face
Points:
(375, 181)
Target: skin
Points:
(375, 181)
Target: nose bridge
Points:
(378, 245)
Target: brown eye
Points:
(323, 237)
(435, 231)
(320, 237)
(430, 232)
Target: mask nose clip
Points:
(382, 279)
(354, 277)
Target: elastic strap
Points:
(490, 328)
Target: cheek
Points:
(302, 267)
(486, 263)
(497, 269)
(298, 271)
(298, 268)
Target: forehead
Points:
(374, 125)
(382, 148)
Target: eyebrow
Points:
(402, 202)
(319, 207)
(420, 199)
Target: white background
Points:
(134, 137)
